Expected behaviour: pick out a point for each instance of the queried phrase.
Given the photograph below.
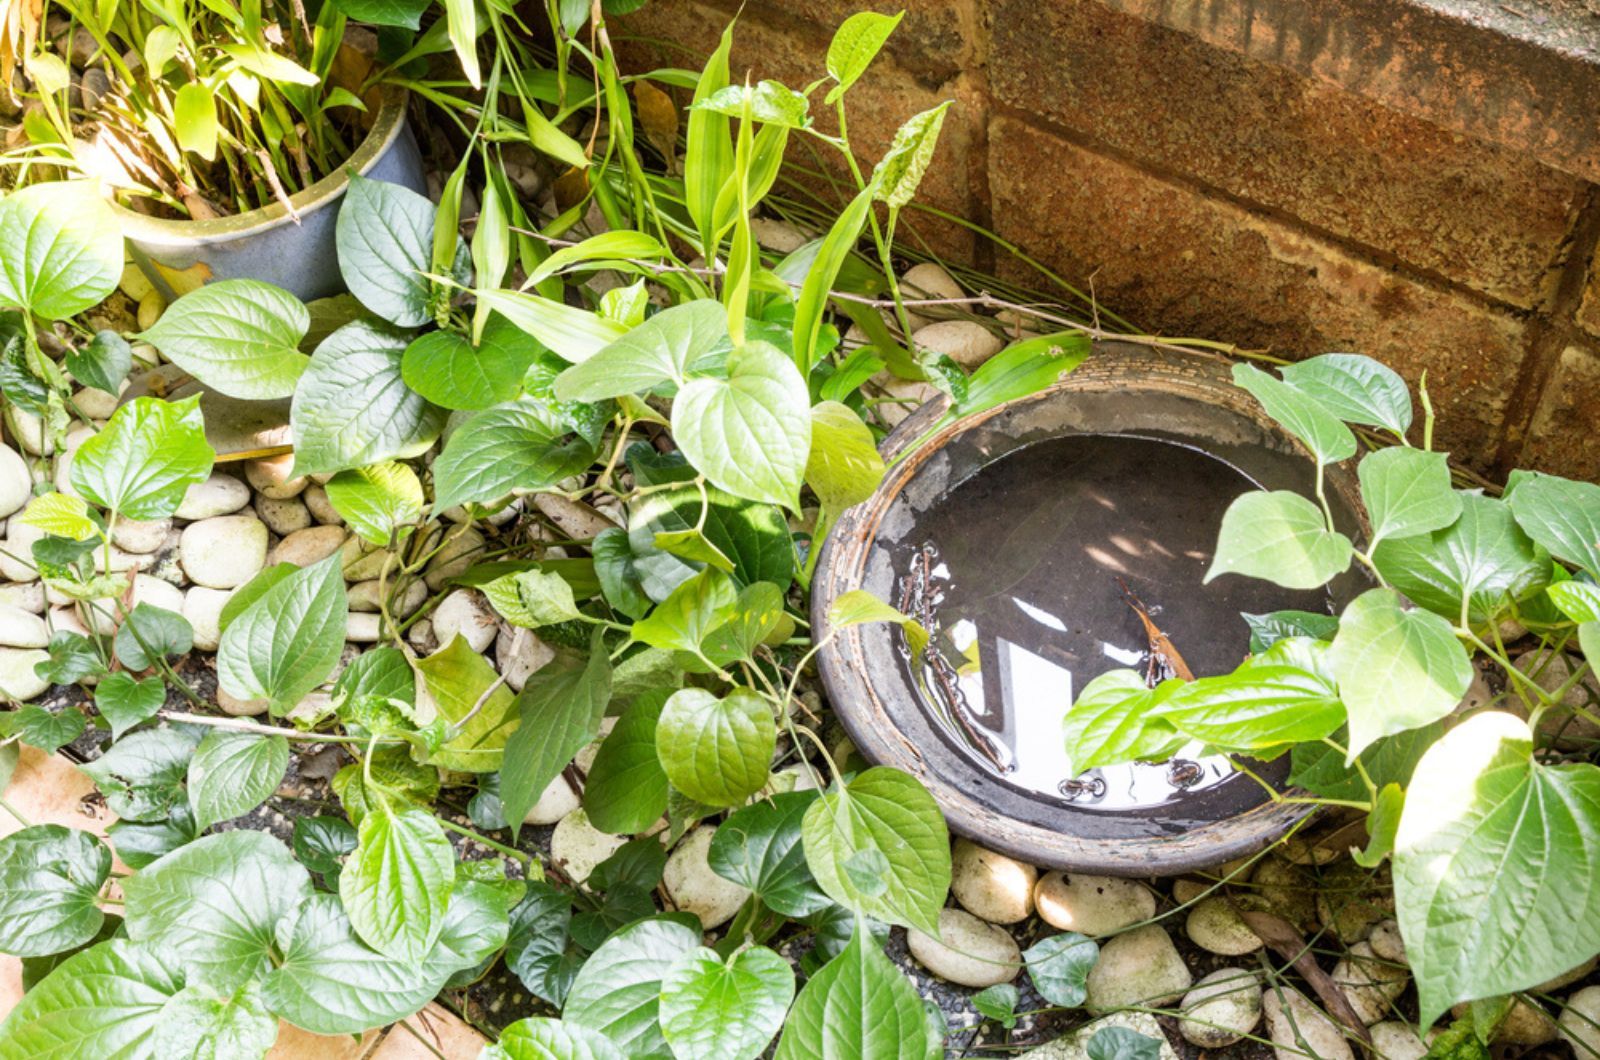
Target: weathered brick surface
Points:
(876, 105)
(1181, 264)
(1521, 74)
(1486, 216)
(1562, 436)
(1589, 308)
(934, 41)
(434, 1032)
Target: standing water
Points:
(1030, 576)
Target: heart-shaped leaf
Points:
(129, 984)
(1407, 491)
(1302, 415)
(661, 350)
(385, 240)
(1493, 864)
(1280, 537)
(859, 1004)
(713, 1009)
(626, 791)
(749, 434)
(1479, 564)
(618, 992)
(63, 249)
(50, 880)
(145, 459)
(377, 501)
(239, 337)
(716, 751)
(520, 445)
(448, 370)
(234, 772)
(759, 847)
(1354, 388)
(396, 886)
(287, 641)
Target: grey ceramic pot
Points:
(1122, 389)
(269, 244)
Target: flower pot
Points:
(1027, 538)
(270, 244)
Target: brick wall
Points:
(1412, 179)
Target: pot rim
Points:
(165, 231)
(844, 669)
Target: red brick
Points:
(1521, 74)
(1561, 437)
(1181, 264)
(1486, 216)
(432, 1033)
(1589, 308)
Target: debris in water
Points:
(1165, 662)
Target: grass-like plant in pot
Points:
(224, 132)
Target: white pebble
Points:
(991, 885)
(1214, 926)
(1299, 1020)
(223, 552)
(322, 509)
(363, 627)
(459, 553)
(1137, 968)
(1221, 1008)
(1580, 1021)
(965, 342)
(17, 677)
(16, 481)
(203, 608)
(22, 629)
(270, 477)
(694, 888)
(1092, 905)
(576, 846)
(519, 660)
(1371, 984)
(968, 952)
(1393, 1040)
(140, 536)
(466, 612)
(555, 802)
(283, 517)
(221, 494)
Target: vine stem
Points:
(463, 830)
(240, 725)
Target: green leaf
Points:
(1562, 516)
(708, 161)
(533, 598)
(322, 842)
(812, 304)
(215, 904)
(48, 730)
(253, 590)
(141, 775)
(1266, 630)
(1280, 537)
(60, 514)
(573, 334)
(1480, 563)
(618, 990)
(759, 847)
(899, 172)
(858, 606)
(385, 240)
(661, 350)
(194, 119)
(63, 249)
(288, 640)
(103, 1002)
(559, 712)
(1320, 768)
(1407, 491)
(716, 751)
(684, 619)
(330, 982)
(1021, 369)
(197, 1023)
(541, 1038)
(891, 813)
(396, 886)
(768, 102)
(234, 772)
(1397, 669)
(1114, 719)
(520, 445)
(125, 701)
(141, 844)
(844, 467)
(151, 633)
(144, 461)
(448, 370)
(1354, 388)
(615, 567)
(998, 1002)
(859, 1004)
(457, 677)
(1301, 415)
(626, 791)
(1383, 821)
(855, 44)
(713, 1009)
(103, 362)
(540, 951)
(622, 244)
(1493, 865)
(757, 618)
(749, 434)
(406, 14)
(239, 337)
(379, 500)
(1123, 1043)
(50, 880)
(351, 406)
(754, 537)
(1285, 695)
(1059, 967)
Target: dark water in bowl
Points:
(1025, 577)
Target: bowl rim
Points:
(862, 711)
(387, 126)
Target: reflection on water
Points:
(1028, 579)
